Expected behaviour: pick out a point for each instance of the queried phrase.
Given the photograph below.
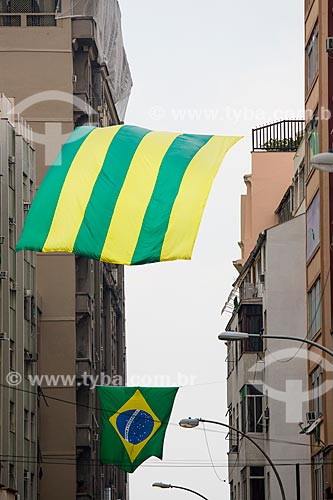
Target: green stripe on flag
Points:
(169, 179)
(41, 213)
(95, 225)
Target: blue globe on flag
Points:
(135, 425)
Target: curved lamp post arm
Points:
(277, 475)
(297, 339)
(188, 489)
(164, 485)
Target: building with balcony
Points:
(318, 23)
(67, 67)
(267, 380)
(18, 313)
(272, 152)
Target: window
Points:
(244, 483)
(312, 138)
(252, 408)
(25, 485)
(32, 427)
(313, 226)
(257, 483)
(316, 389)
(250, 321)
(12, 355)
(26, 424)
(314, 309)
(232, 491)
(12, 418)
(318, 474)
(311, 59)
(32, 485)
(233, 435)
(12, 480)
(301, 184)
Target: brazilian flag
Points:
(134, 421)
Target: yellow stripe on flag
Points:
(190, 202)
(134, 197)
(77, 189)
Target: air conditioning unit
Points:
(27, 475)
(3, 275)
(329, 44)
(26, 206)
(311, 416)
(11, 160)
(12, 221)
(27, 293)
(261, 278)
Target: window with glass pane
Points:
(257, 483)
(12, 417)
(318, 474)
(316, 386)
(301, 184)
(252, 408)
(26, 424)
(244, 484)
(314, 308)
(313, 226)
(311, 58)
(312, 138)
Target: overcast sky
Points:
(215, 67)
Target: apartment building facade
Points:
(18, 313)
(270, 293)
(67, 67)
(319, 126)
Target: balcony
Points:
(283, 136)
(249, 291)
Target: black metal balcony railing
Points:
(285, 135)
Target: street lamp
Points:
(189, 423)
(234, 336)
(164, 485)
(323, 161)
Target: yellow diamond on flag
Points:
(135, 423)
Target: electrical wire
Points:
(210, 455)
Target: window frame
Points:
(312, 57)
(314, 309)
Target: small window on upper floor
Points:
(311, 58)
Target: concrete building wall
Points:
(279, 370)
(81, 302)
(262, 196)
(285, 375)
(18, 313)
(318, 96)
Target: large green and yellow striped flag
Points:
(125, 194)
